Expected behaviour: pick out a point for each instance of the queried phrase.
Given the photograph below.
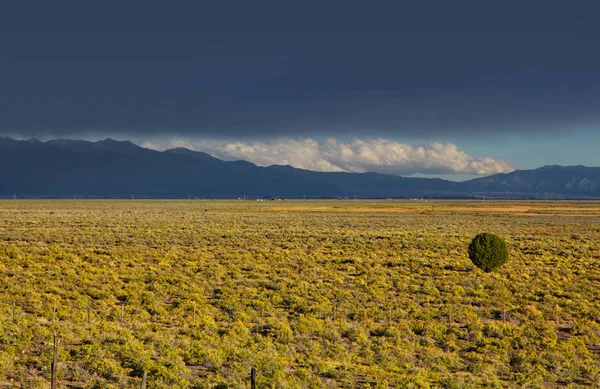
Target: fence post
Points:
(144, 379)
(253, 378)
(54, 312)
(54, 361)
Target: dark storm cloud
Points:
(272, 68)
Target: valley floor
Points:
(314, 294)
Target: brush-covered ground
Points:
(314, 294)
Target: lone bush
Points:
(488, 252)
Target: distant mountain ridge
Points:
(549, 180)
(111, 168)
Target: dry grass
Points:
(339, 294)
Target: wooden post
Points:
(89, 308)
(144, 376)
(54, 362)
(253, 378)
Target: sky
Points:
(451, 89)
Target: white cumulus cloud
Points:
(371, 155)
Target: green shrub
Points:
(488, 252)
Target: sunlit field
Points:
(313, 294)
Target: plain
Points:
(338, 294)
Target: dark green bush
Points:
(488, 252)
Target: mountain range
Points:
(110, 168)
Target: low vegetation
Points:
(316, 294)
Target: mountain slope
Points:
(112, 168)
(547, 180)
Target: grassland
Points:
(315, 294)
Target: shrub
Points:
(488, 252)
